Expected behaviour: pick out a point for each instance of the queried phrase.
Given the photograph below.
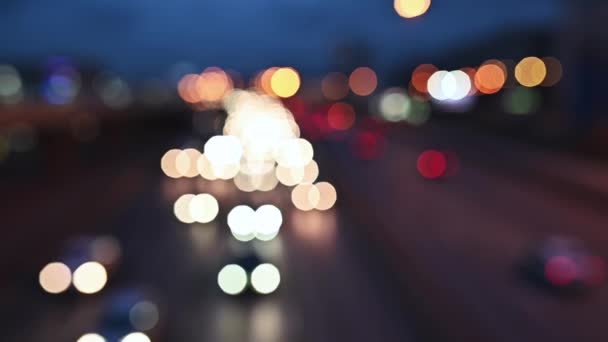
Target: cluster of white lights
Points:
(271, 149)
(190, 208)
(246, 224)
(89, 278)
(449, 85)
(264, 279)
(260, 147)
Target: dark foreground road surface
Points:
(400, 258)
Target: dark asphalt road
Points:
(400, 258)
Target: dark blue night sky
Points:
(144, 37)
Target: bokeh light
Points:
(265, 278)
(305, 197)
(246, 224)
(186, 162)
(244, 182)
(203, 208)
(420, 112)
(168, 163)
(561, 271)
(311, 172)
(266, 182)
(411, 8)
(91, 337)
(90, 277)
(471, 73)
(394, 105)
(435, 87)
(212, 85)
(522, 100)
(62, 85)
(181, 208)
(144, 316)
(554, 71)
(290, 176)
(530, 71)
(285, 82)
(223, 150)
(232, 279)
(457, 85)
(136, 337)
(294, 152)
(335, 86)
(341, 116)
(268, 221)
(113, 91)
(490, 78)
(205, 168)
(241, 221)
(432, 164)
(11, 86)
(454, 85)
(327, 196)
(55, 278)
(186, 88)
(264, 81)
(421, 75)
(262, 124)
(363, 81)
(106, 250)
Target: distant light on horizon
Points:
(554, 71)
(490, 78)
(11, 86)
(421, 75)
(335, 86)
(530, 72)
(363, 81)
(285, 82)
(411, 8)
